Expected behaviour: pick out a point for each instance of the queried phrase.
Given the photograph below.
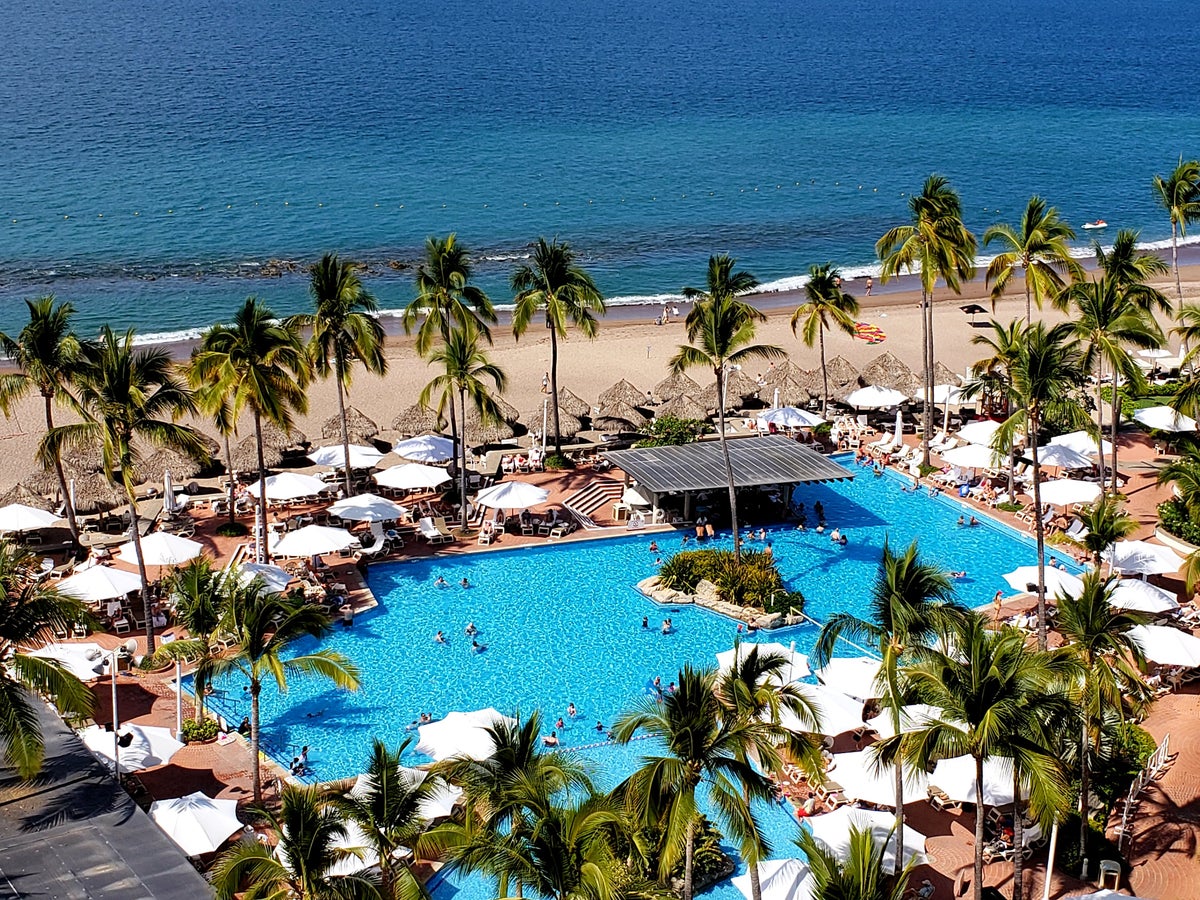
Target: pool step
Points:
(595, 496)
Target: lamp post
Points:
(178, 699)
(116, 720)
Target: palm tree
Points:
(386, 807)
(200, 595)
(126, 394)
(344, 329)
(860, 875)
(1038, 248)
(312, 836)
(994, 375)
(258, 363)
(1179, 195)
(1096, 635)
(998, 698)
(1106, 322)
(703, 747)
(466, 370)
(910, 601)
(564, 292)
(1046, 375)
(1187, 327)
(47, 353)
(827, 304)
(720, 328)
(264, 626)
(1106, 522)
(31, 609)
(936, 243)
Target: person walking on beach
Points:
(870, 284)
(546, 383)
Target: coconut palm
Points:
(1096, 635)
(264, 626)
(200, 596)
(126, 395)
(254, 363)
(935, 243)
(557, 287)
(31, 610)
(704, 749)
(466, 370)
(994, 376)
(1038, 248)
(344, 329)
(910, 602)
(859, 875)
(998, 698)
(47, 353)
(1179, 194)
(1187, 327)
(826, 304)
(720, 328)
(312, 850)
(1046, 376)
(1106, 522)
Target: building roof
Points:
(772, 459)
(73, 832)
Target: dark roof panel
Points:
(773, 459)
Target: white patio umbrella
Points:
(1060, 456)
(161, 548)
(853, 676)
(512, 495)
(438, 805)
(943, 393)
(19, 517)
(1155, 353)
(314, 540)
(1142, 558)
(1167, 646)
(973, 456)
(461, 734)
(1066, 491)
(836, 713)
(275, 579)
(100, 583)
(197, 823)
(778, 879)
(833, 830)
(1105, 894)
(1057, 581)
(956, 777)
(796, 667)
(368, 508)
(85, 661)
(412, 476)
(912, 717)
(874, 397)
(362, 859)
(425, 448)
(979, 432)
(1142, 596)
(1163, 418)
(150, 746)
(361, 456)
(864, 780)
(289, 486)
(1082, 442)
(788, 417)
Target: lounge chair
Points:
(429, 531)
(939, 799)
(486, 535)
(440, 524)
(1077, 530)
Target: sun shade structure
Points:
(361, 456)
(197, 823)
(150, 745)
(956, 776)
(772, 459)
(417, 419)
(274, 579)
(1167, 646)
(1082, 442)
(1060, 456)
(863, 779)
(512, 495)
(779, 879)
(367, 508)
(426, 448)
(85, 661)
(685, 406)
(875, 397)
(836, 713)
(887, 371)
(979, 432)
(359, 427)
(833, 830)
(19, 517)
(622, 393)
(1142, 558)
(973, 456)
(314, 540)
(788, 417)
(854, 676)
(100, 583)
(795, 668)
(289, 486)
(1066, 491)
(161, 549)
(1142, 596)
(1025, 578)
(461, 734)
(1163, 418)
(674, 386)
(412, 476)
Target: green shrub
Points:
(232, 529)
(670, 431)
(707, 856)
(823, 430)
(755, 581)
(1131, 746)
(557, 462)
(1173, 517)
(1009, 507)
(204, 730)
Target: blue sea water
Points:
(154, 156)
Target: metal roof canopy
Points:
(772, 459)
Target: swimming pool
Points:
(562, 623)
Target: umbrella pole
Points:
(178, 699)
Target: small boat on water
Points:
(1099, 223)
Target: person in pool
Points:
(477, 647)
(654, 546)
(571, 710)
(962, 520)
(441, 582)
(599, 727)
(465, 583)
(974, 521)
(560, 723)
(470, 630)
(645, 621)
(551, 740)
(439, 638)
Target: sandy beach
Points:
(630, 346)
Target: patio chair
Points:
(440, 524)
(486, 536)
(429, 531)
(939, 799)
(121, 625)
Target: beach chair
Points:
(486, 535)
(121, 625)
(440, 524)
(429, 531)
(1077, 530)
(939, 799)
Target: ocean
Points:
(160, 161)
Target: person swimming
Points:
(441, 582)
(654, 546)
(477, 647)
(470, 630)
(439, 638)
(962, 520)
(571, 710)
(465, 583)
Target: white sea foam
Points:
(168, 337)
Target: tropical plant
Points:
(935, 243)
(1038, 248)
(1179, 194)
(1106, 522)
(556, 286)
(1046, 375)
(126, 394)
(826, 304)
(257, 363)
(754, 580)
(859, 875)
(446, 299)
(200, 596)
(264, 626)
(31, 610)
(720, 328)
(1096, 634)
(704, 749)
(910, 603)
(47, 353)
(998, 698)
(466, 370)
(344, 329)
(1187, 327)
(670, 431)
(993, 379)
(311, 852)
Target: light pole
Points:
(178, 699)
(116, 720)
(545, 411)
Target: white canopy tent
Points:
(361, 456)
(512, 495)
(864, 780)
(289, 486)
(788, 417)
(150, 745)
(197, 823)
(874, 397)
(1068, 491)
(796, 667)
(461, 734)
(100, 583)
(19, 517)
(974, 456)
(161, 548)
(778, 879)
(1142, 558)
(314, 540)
(87, 662)
(1167, 646)
(1142, 596)
(367, 508)
(854, 676)
(1057, 581)
(1163, 418)
(426, 448)
(956, 777)
(412, 477)
(833, 830)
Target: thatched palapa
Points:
(95, 493)
(791, 393)
(621, 393)
(683, 407)
(359, 428)
(843, 377)
(780, 372)
(24, 494)
(276, 437)
(887, 371)
(573, 404)
(478, 432)
(245, 455)
(569, 425)
(418, 419)
(180, 465)
(943, 375)
(675, 386)
(619, 416)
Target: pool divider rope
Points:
(873, 654)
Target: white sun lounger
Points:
(430, 532)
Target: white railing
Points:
(1154, 767)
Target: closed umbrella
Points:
(833, 830)
(796, 667)
(973, 456)
(980, 432)
(361, 456)
(1163, 418)
(788, 417)
(778, 879)
(426, 448)
(956, 777)
(367, 508)
(314, 540)
(412, 477)
(854, 676)
(148, 745)
(863, 779)
(168, 493)
(1142, 558)
(461, 734)
(289, 486)
(197, 823)
(1025, 578)
(512, 495)
(874, 397)
(1167, 646)
(100, 583)
(161, 549)
(1067, 491)
(1142, 596)
(19, 517)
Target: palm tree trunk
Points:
(755, 882)
(1040, 530)
(927, 342)
(977, 881)
(260, 540)
(1018, 839)
(1116, 418)
(455, 437)
(899, 800)
(733, 516)
(137, 544)
(345, 428)
(255, 765)
(1028, 314)
(462, 467)
(1084, 788)
(230, 473)
(62, 477)
(554, 388)
(1175, 260)
(824, 378)
(689, 837)
(1100, 413)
